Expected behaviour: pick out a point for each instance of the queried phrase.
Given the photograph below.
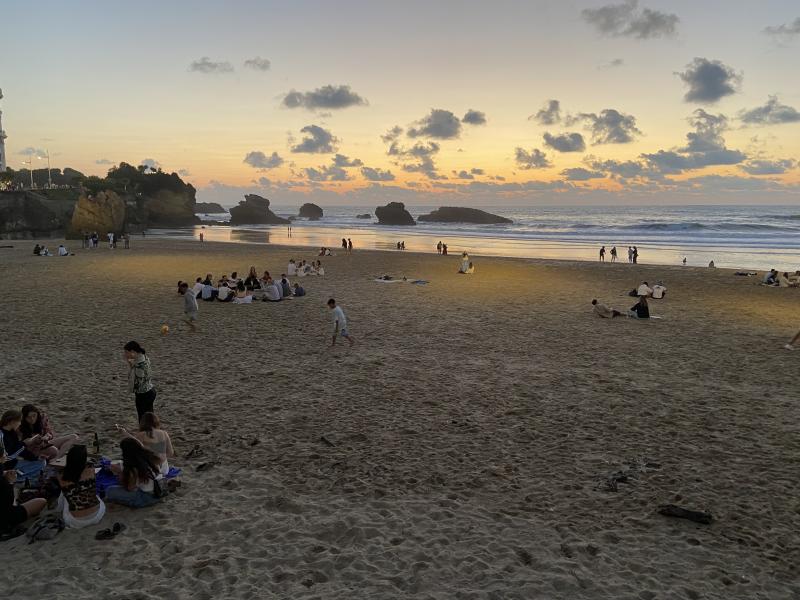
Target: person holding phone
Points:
(140, 382)
(13, 515)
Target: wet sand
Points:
(460, 450)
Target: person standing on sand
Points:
(603, 254)
(339, 323)
(349, 246)
(613, 254)
(444, 249)
(140, 375)
(439, 247)
(635, 255)
(344, 244)
(202, 237)
(189, 306)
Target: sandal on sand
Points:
(107, 534)
(118, 528)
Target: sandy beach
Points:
(460, 450)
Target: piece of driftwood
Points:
(671, 510)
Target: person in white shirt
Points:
(659, 289)
(197, 288)
(62, 251)
(644, 290)
(224, 293)
(339, 323)
(110, 239)
(291, 270)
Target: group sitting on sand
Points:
(304, 269)
(41, 469)
(466, 268)
(236, 290)
(784, 280)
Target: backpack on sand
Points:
(45, 528)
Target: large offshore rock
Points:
(254, 210)
(28, 215)
(394, 213)
(457, 214)
(104, 212)
(201, 208)
(310, 211)
(170, 209)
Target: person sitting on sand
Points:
(272, 292)
(252, 282)
(209, 292)
(197, 288)
(13, 515)
(659, 289)
(62, 251)
(154, 438)
(770, 277)
(298, 290)
(49, 446)
(784, 282)
(286, 287)
(291, 270)
(18, 447)
(225, 294)
(604, 311)
(234, 278)
(640, 310)
(137, 476)
(242, 295)
(464, 262)
(37, 249)
(79, 503)
(319, 269)
(644, 290)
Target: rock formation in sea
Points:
(364, 216)
(394, 213)
(457, 214)
(254, 210)
(202, 208)
(312, 212)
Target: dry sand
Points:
(473, 427)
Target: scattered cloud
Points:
(565, 142)
(318, 141)
(474, 117)
(439, 124)
(609, 127)
(626, 20)
(340, 160)
(257, 64)
(328, 97)
(477, 171)
(768, 167)
(103, 161)
(772, 113)
(184, 173)
(30, 150)
(393, 134)
(709, 81)
(581, 174)
(612, 64)
(150, 163)
(206, 65)
(535, 159)
(331, 173)
(259, 160)
(705, 146)
(549, 115)
(786, 30)
(463, 174)
(627, 169)
(371, 174)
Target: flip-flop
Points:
(118, 528)
(104, 534)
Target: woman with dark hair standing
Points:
(78, 503)
(50, 446)
(137, 475)
(140, 378)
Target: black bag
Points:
(45, 528)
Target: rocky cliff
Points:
(170, 209)
(254, 210)
(312, 212)
(103, 212)
(394, 213)
(457, 214)
(30, 215)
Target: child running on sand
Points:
(339, 323)
(189, 305)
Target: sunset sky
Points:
(471, 102)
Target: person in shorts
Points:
(339, 323)
(189, 305)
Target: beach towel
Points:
(105, 477)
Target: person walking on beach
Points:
(613, 254)
(630, 254)
(189, 305)
(344, 244)
(444, 249)
(349, 246)
(439, 247)
(603, 254)
(339, 323)
(140, 375)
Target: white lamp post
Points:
(47, 156)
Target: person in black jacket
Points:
(640, 310)
(11, 514)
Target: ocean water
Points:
(751, 237)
